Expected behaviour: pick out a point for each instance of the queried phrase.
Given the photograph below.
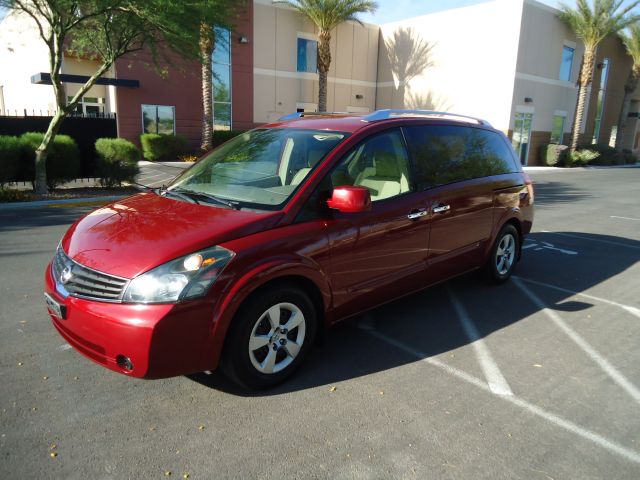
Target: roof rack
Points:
(295, 115)
(388, 113)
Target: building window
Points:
(307, 55)
(557, 132)
(567, 63)
(89, 106)
(159, 119)
(604, 76)
(221, 61)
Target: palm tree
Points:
(327, 15)
(632, 44)
(207, 43)
(592, 22)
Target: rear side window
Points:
(448, 154)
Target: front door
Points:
(381, 254)
(522, 135)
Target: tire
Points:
(504, 254)
(259, 350)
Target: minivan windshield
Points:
(257, 169)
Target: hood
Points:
(131, 236)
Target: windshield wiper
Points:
(184, 195)
(193, 195)
(219, 200)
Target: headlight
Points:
(180, 279)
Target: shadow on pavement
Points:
(428, 323)
(552, 193)
(21, 219)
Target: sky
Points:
(393, 10)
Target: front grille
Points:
(85, 282)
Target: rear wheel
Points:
(269, 337)
(504, 254)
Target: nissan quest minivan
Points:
(282, 232)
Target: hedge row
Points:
(559, 156)
(117, 159)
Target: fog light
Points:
(124, 362)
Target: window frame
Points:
(573, 56)
(173, 108)
(218, 126)
(306, 38)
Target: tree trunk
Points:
(42, 152)
(629, 88)
(324, 62)
(206, 51)
(586, 74)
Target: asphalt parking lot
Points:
(535, 379)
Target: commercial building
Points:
(512, 62)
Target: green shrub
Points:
(628, 157)
(221, 136)
(554, 155)
(10, 154)
(162, 147)
(583, 157)
(117, 161)
(63, 161)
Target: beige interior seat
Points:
(313, 157)
(387, 179)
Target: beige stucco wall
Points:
(469, 67)
(280, 89)
(23, 54)
(542, 39)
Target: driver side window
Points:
(379, 163)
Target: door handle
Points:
(441, 208)
(417, 214)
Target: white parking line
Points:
(514, 400)
(63, 347)
(626, 218)
(635, 311)
(602, 362)
(497, 383)
(617, 244)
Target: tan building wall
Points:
(456, 60)
(280, 89)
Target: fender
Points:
(510, 214)
(237, 291)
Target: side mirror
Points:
(350, 199)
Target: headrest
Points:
(386, 165)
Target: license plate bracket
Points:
(55, 307)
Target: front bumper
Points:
(161, 341)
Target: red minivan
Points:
(281, 233)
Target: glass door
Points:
(522, 135)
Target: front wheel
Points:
(269, 337)
(504, 254)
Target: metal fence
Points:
(84, 129)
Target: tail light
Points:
(529, 183)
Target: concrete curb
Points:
(145, 163)
(68, 202)
(577, 169)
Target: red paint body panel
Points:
(352, 261)
(131, 236)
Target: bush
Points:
(583, 157)
(554, 155)
(221, 136)
(628, 157)
(63, 161)
(117, 161)
(162, 147)
(10, 154)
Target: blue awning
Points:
(44, 78)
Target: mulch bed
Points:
(11, 195)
